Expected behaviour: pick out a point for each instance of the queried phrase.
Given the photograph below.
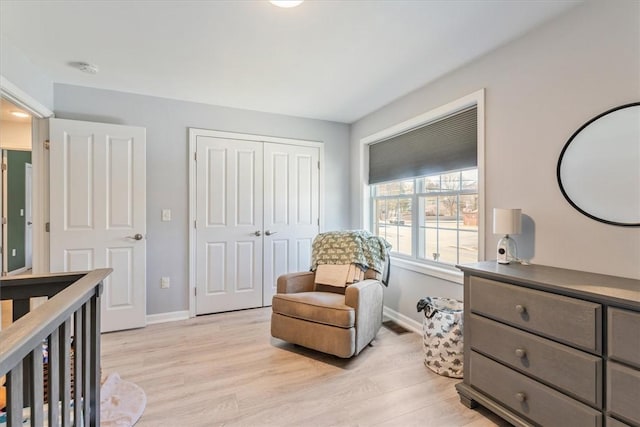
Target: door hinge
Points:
(4, 220)
(318, 222)
(195, 291)
(195, 224)
(47, 227)
(4, 166)
(318, 164)
(195, 156)
(47, 144)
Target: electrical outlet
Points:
(13, 252)
(166, 214)
(164, 282)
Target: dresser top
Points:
(608, 289)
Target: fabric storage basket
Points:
(442, 335)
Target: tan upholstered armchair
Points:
(323, 318)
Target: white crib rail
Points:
(74, 303)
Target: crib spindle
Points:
(36, 396)
(14, 396)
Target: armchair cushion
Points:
(320, 307)
(341, 324)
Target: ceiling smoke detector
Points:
(85, 67)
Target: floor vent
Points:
(394, 327)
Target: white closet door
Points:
(229, 224)
(98, 212)
(291, 192)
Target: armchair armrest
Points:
(362, 294)
(366, 298)
(296, 282)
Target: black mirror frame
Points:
(564, 149)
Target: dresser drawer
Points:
(570, 370)
(529, 398)
(623, 331)
(623, 392)
(566, 319)
(611, 422)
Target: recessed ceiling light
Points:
(20, 114)
(85, 67)
(286, 3)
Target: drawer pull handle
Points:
(521, 397)
(521, 353)
(521, 308)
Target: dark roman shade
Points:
(444, 145)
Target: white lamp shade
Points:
(507, 221)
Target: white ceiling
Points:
(331, 60)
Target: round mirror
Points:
(599, 167)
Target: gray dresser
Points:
(551, 347)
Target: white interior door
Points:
(98, 212)
(28, 216)
(228, 225)
(291, 217)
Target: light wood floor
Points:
(225, 369)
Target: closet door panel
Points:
(291, 194)
(228, 225)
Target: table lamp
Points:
(507, 222)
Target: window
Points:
(431, 218)
(425, 192)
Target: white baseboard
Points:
(167, 317)
(402, 320)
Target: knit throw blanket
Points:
(350, 247)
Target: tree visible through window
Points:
(431, 218)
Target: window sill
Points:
(450, 275)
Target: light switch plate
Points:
(164, 282)
(166, 214)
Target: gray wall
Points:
(539, 90)
(166, 122)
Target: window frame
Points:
(440, 270)
(417, 227)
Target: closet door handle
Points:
(269, 233)
(257, 233)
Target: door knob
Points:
(521, 353)
(29, 223)
(269, 233)
(521, 309)
(257, 233)
(521, 397)
(136, 237)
